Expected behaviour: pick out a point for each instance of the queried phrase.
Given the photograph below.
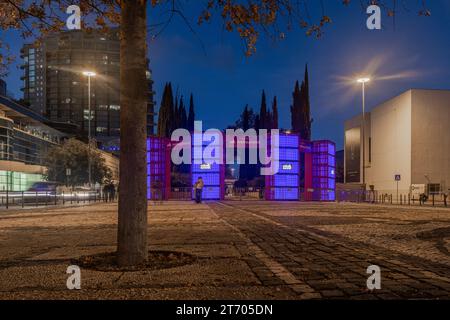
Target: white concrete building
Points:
(408, 137)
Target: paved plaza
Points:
(242, 250)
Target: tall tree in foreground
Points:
(132, 248)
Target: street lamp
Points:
(89, 75)
(363, 82)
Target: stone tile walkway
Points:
(244, 250)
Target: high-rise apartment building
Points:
(55, 87)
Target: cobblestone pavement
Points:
(323, 250)
(243, 250)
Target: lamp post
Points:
(363, 82)
(89, 75)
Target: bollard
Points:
(7, 199)
(433, 199)
(23, 200)
(36, 199)
(55, 198)
(64, 199)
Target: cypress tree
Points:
(191, 114)
(176, 121)
(295, 108)
(305, 129)
(274, 113)
(263, 116)
(183, 116)
(300, 110)
(163, 113)
(170, 112)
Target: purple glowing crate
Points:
(284, 194)
(284, 180)
(209, 193)
(209, 179)
(288, 154)
(289, 141)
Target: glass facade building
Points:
(24, 142)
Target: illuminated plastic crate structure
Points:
(158, 168)
(324, 170)
(285, 184)
(213, 176)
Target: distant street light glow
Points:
(89, 73)
(363, 80)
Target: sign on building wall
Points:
(353, 155)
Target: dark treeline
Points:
(174, 114)
(267, 118)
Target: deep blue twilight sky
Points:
(413, 53)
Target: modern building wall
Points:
(430, 154)
(409, 136)
(34, 77)
(390, 136)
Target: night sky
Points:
(413, 53)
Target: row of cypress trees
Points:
(173, 113)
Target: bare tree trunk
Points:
(132, 231)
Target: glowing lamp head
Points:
(89, 73)
(363, 80)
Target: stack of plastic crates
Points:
(324, 170)
(158, 168)
(285, 184)
(213, 174)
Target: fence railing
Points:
(17, 199)
(247, 193)
(407, 199)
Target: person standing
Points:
(199, 189)
(105, 192)
(112, 192)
